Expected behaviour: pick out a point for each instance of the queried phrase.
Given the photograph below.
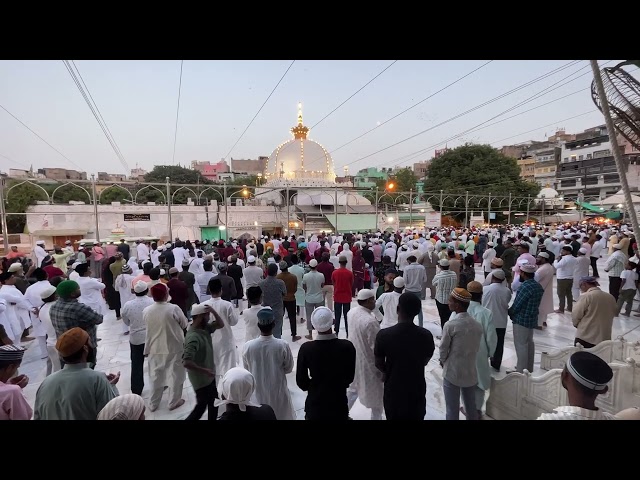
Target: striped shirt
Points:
(444, 281)
(576, 413)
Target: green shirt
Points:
(74, 393)
(198, 348)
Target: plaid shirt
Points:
(616, 262)
(525, 308)
(444, 281)
(67, 314)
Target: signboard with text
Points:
(137, 217)
(432, 220)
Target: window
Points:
(566, 159)
(581, 157)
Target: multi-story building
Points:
(527, 168)
(420, 169)
(249, 167)
(211, 171)
(368, 177)
(587, 166)
(62, 174)
(561, 136)
(111, 177)
(137, 174)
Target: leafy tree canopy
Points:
(176, 174)
(18, 199)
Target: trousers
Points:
(163, 369)
(420, 317)
(626, 296)
(277, 330)
(290, 307)
(205, 397)
(479, 398)
(339, 309)
(53, 360)
(583, 343)
(444, 312)
(452, 395)
(327, 291)
(137, 367)
(42, 343)
(614, 286)
(594, 266)
(309, 308)
(96, 268)
(525, 348)
(352, 396)
(496, 360)
(565, 293)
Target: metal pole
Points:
(528, 202)
(335, 208)
(543, 205)
(95, 205)
(3, 214)
(411, 208)
(489, 210)
(169, 208)
(226, 211)
(509, 220)
(288, 220)
(466, 211)
(376, 226)
(617, 155)
(441, 208)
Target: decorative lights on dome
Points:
(300, 131)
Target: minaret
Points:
(300, 131)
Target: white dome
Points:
(548, 193)
(300, 158)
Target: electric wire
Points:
(175, 135)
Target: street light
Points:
(391, 186)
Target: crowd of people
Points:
(179, 301)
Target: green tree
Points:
(405, 180)
(176, 174)
(18, 200)
(69, 193)
(480, 170)
(116, 194)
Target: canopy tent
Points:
(353, 223)
(617, 199)
(590, 207)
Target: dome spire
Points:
(300, 131)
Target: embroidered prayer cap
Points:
(461, 295)
(589, 370)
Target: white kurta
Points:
(581, 269)
(33, 295)
(123, 286)
(488, 342)
(389, 303)
(4, 320)
(91, 294)
(269, 359)
(40, 254)
(178, 255)
(17, 311)
(142, 252)
(363, 328)
(195, 266)
(544, 276)
(224, 343)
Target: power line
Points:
(14, 161)
(51, 146)
(259, 110)
(354, 94)
(95, 111)
(404, 111)
(531, 82)
(175, 136)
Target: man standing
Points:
(488, 341)
(312, 283)
(13, 404)
(401, 354)
(367, 382)
(253, 275)
(544, 276)
(458, 355)
(509, 257)
(18, 308)
(596, 251)
(565, 266)
(124, 248)
(429, 260)
(325, 369)
(164, 346)
(581, 270)
(203, 280)
(198, 361)
(40, 253)
(76, 392)
(228, 283)
(178, 290)
(593, 315)
(524, 315)
(342, 279)
(326, 268)
(289, 300)
(414, 277)
(615, 266)
(224, 344)
(269, 359)
(189, 279)
(97, 256)
(132, 316)
(488, 255)
(142, 252)
(389, 303)
(585, 376)
(273, 292)
(444, 281)
(67, 313)
(496, 297)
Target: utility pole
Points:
(226, 211)
(376, 226)
(3, 214)
(169, 207)
(95, 205)
(617, 155)
(411, 208)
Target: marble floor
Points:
(113, 356)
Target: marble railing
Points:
(521, 396)
(618, 350)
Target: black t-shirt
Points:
(264, 412)
(406, 349)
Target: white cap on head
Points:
(68, 242)
(141, 286)
(490, 244)
(40, 242)
(444, 262)
(251, 259)
(15, 267)
(47, 292)
(398, 282)
(617, 246)
(544, 255)
(313, 263)
(498, 273)
(75, 264)
(198, 309)
(365, 294)
(322, 319)
(583, 251)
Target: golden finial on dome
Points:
(300, 131)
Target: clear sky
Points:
(219, 98)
